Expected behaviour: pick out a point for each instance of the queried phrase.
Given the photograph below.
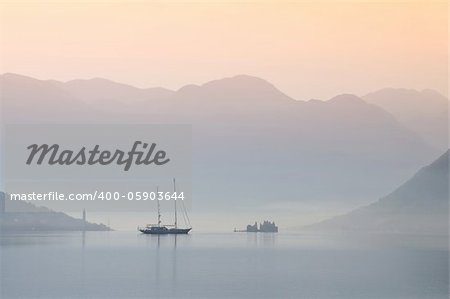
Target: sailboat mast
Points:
(175, 190)
(159, 210)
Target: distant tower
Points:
(84, 221)
(2, 209)
(2, 203)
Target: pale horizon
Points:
(307, 50)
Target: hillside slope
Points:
(418, 206)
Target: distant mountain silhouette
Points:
(103, 92)
(251, 142)
(418, 206)
(425, 112)
(24, 216)
(25, 99)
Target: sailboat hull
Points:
(164, 230)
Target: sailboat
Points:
(158, 229)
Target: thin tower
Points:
(2, 203)
(175, 191)
(159, 210)
(84, 220)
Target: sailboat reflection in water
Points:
(158, 229)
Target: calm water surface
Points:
(226, 265)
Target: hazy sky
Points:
(310, 49)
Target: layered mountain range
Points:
(252, 143)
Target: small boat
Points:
(158, 229)
(163, 230)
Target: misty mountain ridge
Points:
(102, 89)
(419, 206)
(343, 149)
(22, 216)
(424, 112)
